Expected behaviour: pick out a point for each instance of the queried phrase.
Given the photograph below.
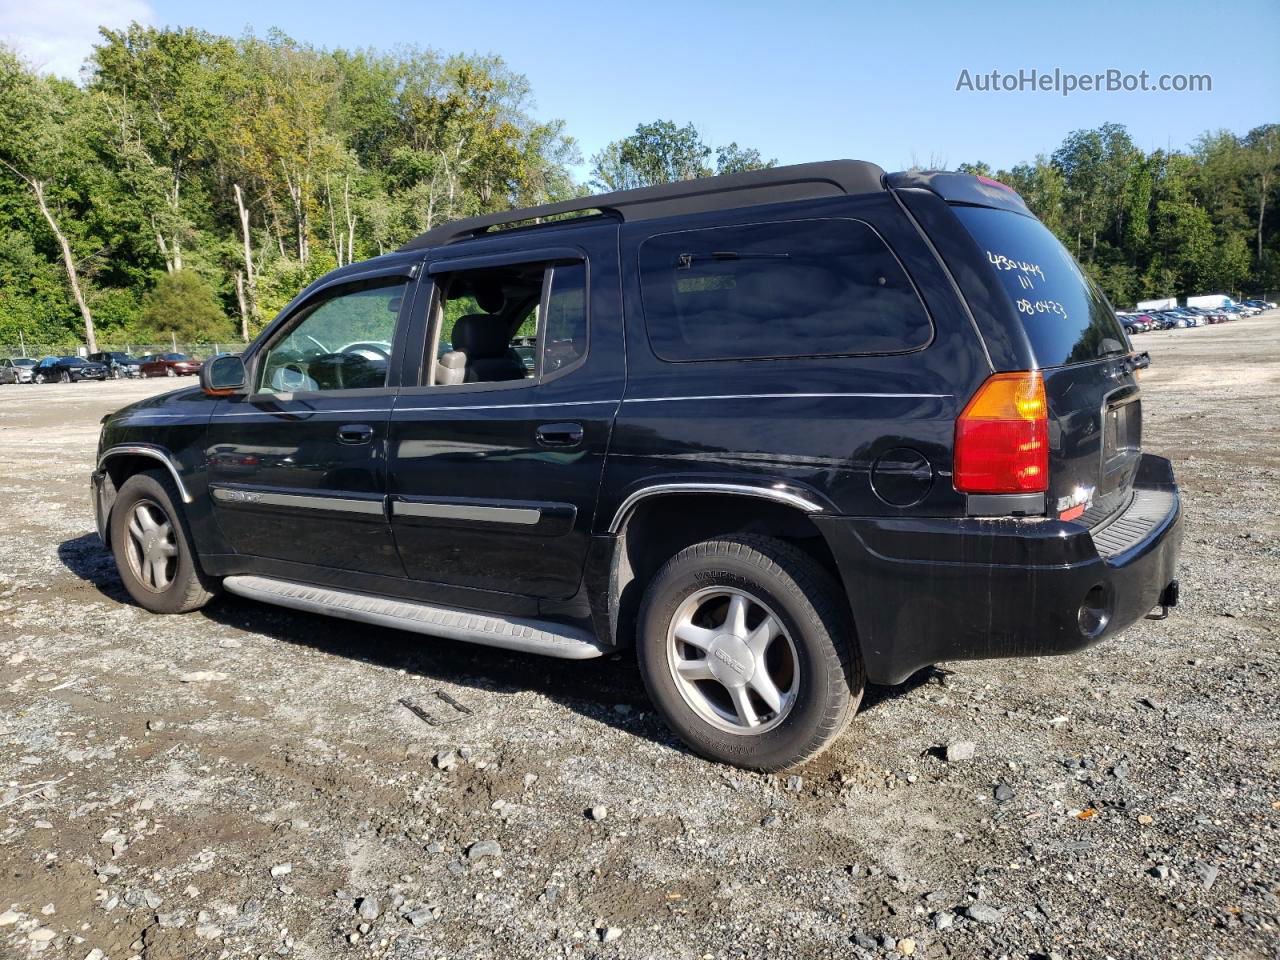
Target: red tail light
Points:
(1002, 437)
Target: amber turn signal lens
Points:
(1002, 437)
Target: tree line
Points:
(192, 184)
(1164, 223)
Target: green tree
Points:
(661, 152)
(43, 146)
(184, 305)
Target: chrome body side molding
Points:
(306, 501)
(466, 511)
(734, 489)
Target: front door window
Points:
(343, 343)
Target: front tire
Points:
(152, 547)
(747, 651)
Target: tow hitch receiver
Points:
(1168, 599)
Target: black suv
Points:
(785, 431)
(118, 363)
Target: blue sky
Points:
(801, 80)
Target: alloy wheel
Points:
(733, 661)
(152, 547)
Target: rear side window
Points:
(1066, 317)
(799, 288)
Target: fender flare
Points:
(155, 453)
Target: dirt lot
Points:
(243, 782)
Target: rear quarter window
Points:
(799, 288)
(1065, 315)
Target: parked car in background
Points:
(170, 365)
(67, 370)
(16, 369)
(1132, 324)
(1212, 316)
(118, 363)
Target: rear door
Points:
(297, 467)
(1095, 404)
(496, 457)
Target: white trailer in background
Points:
(1168, 303)
(1210, 301)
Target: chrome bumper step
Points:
(511, 633)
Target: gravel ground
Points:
(244, 781)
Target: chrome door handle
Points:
(559, 434)
(355, 433)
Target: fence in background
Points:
(200, 351)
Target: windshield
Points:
(1066, 317)
(71, 361)
(175, 356)
(24, 362)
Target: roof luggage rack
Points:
(801, 181)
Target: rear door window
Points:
(799, 288)
(1066, 317)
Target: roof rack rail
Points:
(774, 185)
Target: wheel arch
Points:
(655, 523)
(123, 461)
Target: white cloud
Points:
(55, 36)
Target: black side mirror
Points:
(223, 375)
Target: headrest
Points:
(488, 294)
(480, 335)
(453, 360)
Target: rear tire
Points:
(748, 653)
(169, 371)
(152, 547)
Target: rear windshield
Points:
(1066, 317)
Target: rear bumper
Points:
(929, 589)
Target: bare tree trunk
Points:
(69, 262)
(351, 218)
(251, 300)
(244, 306)
(164, 251)
(334, 237)
(173, 204)
(297, 195)
(1262, 210)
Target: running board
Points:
(511, 633)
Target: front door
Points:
(297, 467)
(496, 458)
